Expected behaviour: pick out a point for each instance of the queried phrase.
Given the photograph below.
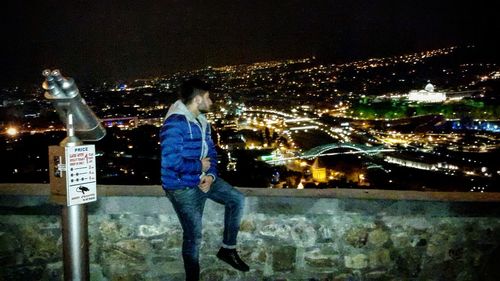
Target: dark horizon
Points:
(95, 42)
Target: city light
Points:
(12, 131)
(356, 118)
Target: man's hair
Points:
(191, 88)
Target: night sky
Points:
(94, 41)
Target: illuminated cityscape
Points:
(421, 121)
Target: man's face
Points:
(206, 103)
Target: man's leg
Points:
(233, 201)
(189, 204)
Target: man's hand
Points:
(206, 183)
(205, 164)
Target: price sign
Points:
(80, 174)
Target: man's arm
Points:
(212, 154)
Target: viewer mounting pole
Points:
(74, 222)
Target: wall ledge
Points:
(34, 189)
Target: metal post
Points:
(75, 242)
(74, 222)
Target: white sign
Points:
(80, 174)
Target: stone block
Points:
(283, 258)
(356, 261)
(377, 237)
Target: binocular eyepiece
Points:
(65, 96)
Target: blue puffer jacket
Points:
(185, 140)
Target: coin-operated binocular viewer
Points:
(72, 164)
(72, 168)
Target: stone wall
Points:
(288, 237)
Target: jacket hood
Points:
(180, 108)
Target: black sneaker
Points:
(231, 257)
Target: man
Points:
(189, 176)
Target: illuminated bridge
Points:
(323, 150)
(358, 148)
(288, 118)
(269, 111)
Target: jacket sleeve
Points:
(172, 145)
(212, 153)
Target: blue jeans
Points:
(189, 203)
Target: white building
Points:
(427, 95)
